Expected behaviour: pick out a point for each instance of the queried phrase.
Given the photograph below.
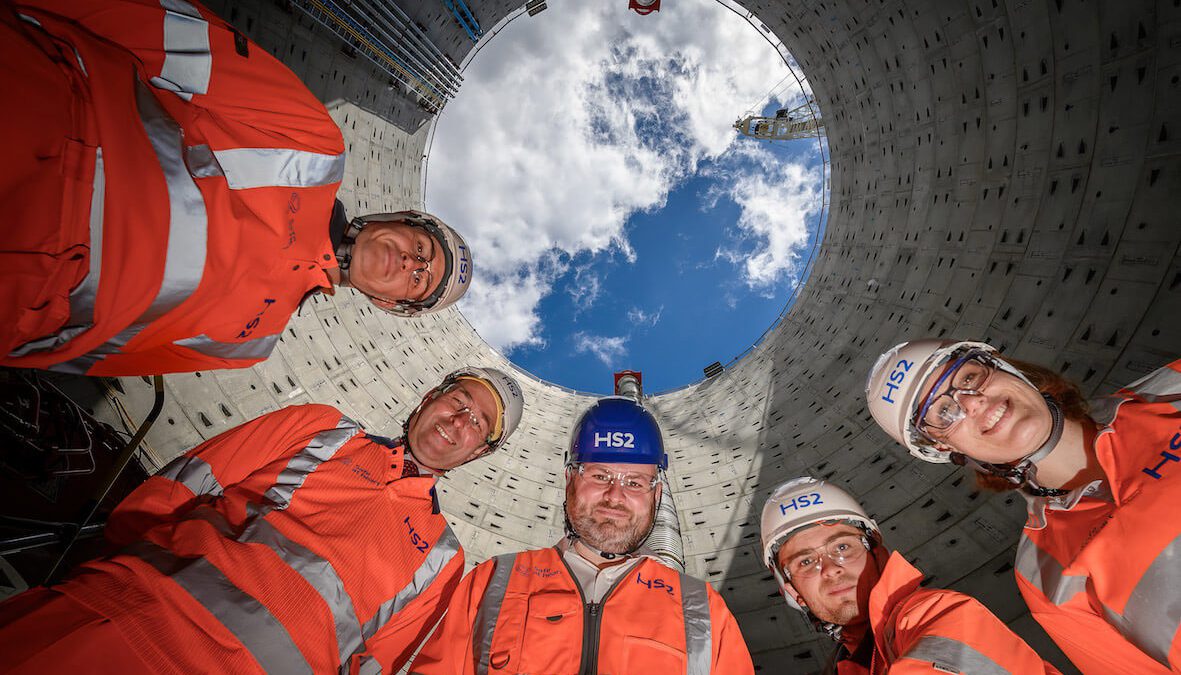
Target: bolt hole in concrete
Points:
(619, 218)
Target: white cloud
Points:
(570, 122)
(777, 200)
(606, 349)
(642, 319)
(584, 290)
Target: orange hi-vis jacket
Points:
(1100, 567)
(525, 613)
(918, 630)
(167, 189)
(290, 544)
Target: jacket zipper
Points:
(592, 619)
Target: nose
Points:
(614, 489)
(972, 403)
(830, 569)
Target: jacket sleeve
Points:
(953, 632)
(449, 651)
(730, 654)
(202, 474)
(184, 48)
(1161, 385)
(1084, 635)
(395, 643)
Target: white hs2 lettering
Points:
(615, 439)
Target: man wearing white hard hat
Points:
(295, 543)
(1099, 562)
(169, 193)
(829, 562)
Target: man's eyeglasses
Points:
(474, 420)
(632, 483)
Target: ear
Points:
(795, 595)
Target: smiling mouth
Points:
(994, 418)
(442, 433)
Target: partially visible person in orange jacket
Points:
(168, 193)
(829, 562)
(597, 602)
(1099, 562)
(295, 543)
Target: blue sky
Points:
(616, 218)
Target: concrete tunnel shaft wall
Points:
(1000, 170)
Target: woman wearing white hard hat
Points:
(1099, 562)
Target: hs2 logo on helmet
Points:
(615, 439)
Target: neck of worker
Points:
(593, 557)
(1073, 462)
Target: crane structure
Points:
(800, 122)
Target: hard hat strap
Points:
(1023, 472)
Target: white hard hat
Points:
(457, 261)
(900, 377)
(509, 399)
(801, 502)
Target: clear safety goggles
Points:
(632, 483)
(466, 413)
(942, 410)
(840, 551)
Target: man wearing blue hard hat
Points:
(597, 601)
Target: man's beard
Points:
(610, 536)
(845, 613)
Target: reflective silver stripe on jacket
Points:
(188, 63)
(246, 168)
(368, 666)
(319, 574)
(244, 616)
(83, 295)
(489, 611)
(952, 656)
(1044, 573)
(258, 348)
(319, 450)
(1162, 383)
(445, 548)
(1153, 611)
(194, 473)
(698, 638)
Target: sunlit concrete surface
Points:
(1000, 170)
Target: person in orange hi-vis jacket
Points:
(598, 601)
(295, 543)
(169, 196)
(829, 561)
(1099, 562)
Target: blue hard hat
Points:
(617, 430)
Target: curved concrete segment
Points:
(1005, 171)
